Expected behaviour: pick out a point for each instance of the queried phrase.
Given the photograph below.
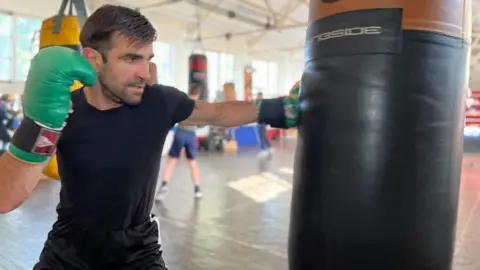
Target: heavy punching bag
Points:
(198, 73)
(379, 151)
(67, 36)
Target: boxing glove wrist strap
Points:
(33, 142)
(272, 112)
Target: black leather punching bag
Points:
(198, 73)
(379, 151)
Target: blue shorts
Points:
(187, 139)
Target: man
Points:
(265, 145)
(185, 138)
(4, 136)
(110, 146)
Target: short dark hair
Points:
(194, 89)
(5, 97)
(109, 20)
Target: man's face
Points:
(125, 74)
(259, 96)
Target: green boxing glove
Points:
(46, 101)
(280, 112)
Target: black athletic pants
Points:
(74, 247)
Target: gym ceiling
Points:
(266, 27)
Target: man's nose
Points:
(143, 71)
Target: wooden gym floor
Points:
(241, 223)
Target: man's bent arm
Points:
(17, 181)
(223, 114)
(46, 106)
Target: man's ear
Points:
(94, 57)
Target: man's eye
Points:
(129, 59)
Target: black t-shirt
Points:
(109, 160)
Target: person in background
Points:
(265, 145)
(185, 138)
(4, 136)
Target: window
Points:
(213, 75)
(259, 78)
(273, 89)
(26, 44)
(18, 44)
(220, 70)
(226, 68)
(296, 72)
(164, 60)
(6, 47)
(265, 79)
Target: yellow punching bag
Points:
(67, 36)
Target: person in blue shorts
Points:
(265, 145)
(185, 138)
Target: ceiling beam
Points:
(272, 11)
(291, 7)
(226, 12)
(209, 12)
(158, 4)
(276, 49)
(259, 7)
(256, 6)
(279, 22)
(256, 31)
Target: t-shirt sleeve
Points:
(180, 106)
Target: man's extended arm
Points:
(278, 112)
(223, 114)
(17, 181)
